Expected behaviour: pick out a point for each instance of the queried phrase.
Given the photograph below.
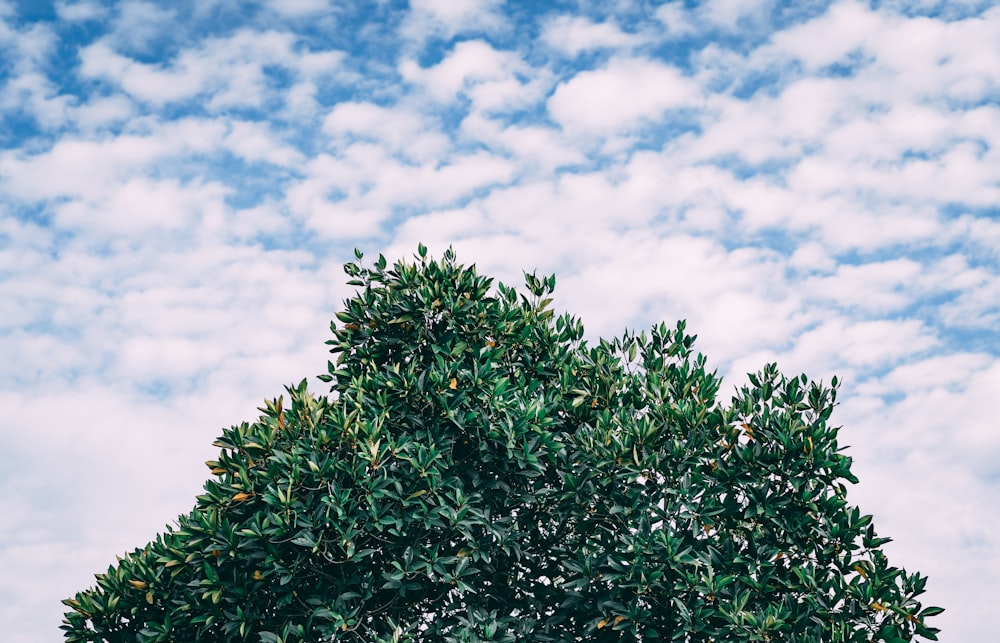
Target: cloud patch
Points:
(622, 95)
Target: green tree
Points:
(479, 472)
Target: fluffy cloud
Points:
(232, 71)
(621, 95)
(79, 11)
(448, 18)
(475, 69)
(575, 34)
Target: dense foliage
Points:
(481, 473)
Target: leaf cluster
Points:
(479, 472)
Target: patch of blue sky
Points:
(435, 49)
(163, 388)
(958, 101)
(774, 168)
(39, 213)
(954, 210)
(925, 252)
(788, 13)
(316, 248)
(673, 124)
(781, 241)
(946, 10)
(44, 324)
(625, 12)
(19, 128)
(973, 338)
(34, 10)
(371, 37)
(254, 188)
(859, 256)
(292, 240)
(744, 85)
(848, 66)
(892, 397)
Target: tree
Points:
(479, 472)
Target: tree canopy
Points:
(480, 472)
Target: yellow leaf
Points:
(454, 384)
(861, 570)
(257, 575)
(602, 623)
(138, 584)
(878, 607)
(241, 496)
(219, 471)
(463, 552)
(619, 619)
(149, 597)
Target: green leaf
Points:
(480, 472)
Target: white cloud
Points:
(400, 129)
(939, 372)
(102, 112)
(575, 34)
(79, 11)
(29, 47)
(878, 288)
(257, 142)
(623, 94)
(862, 343)
(532, 146)
(471, 63)
(140, 24)
(35, 96)
(848, 27)
(141, 205)
(677, 21)
(142, 81)
(232, 69)
(448, 18)
(730, 13)
(90, 169)
(355, 192)
(314, 65)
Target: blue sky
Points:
(812, 183)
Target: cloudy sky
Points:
(813, 183)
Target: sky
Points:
(812, 183)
